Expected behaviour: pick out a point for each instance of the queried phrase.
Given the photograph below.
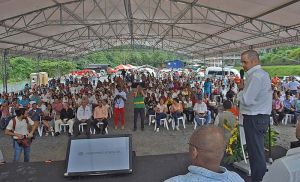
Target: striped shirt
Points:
(5, 111)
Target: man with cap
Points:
(201, 112)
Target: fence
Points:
(14, 87)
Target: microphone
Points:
(242, 72)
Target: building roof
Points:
(199, 28)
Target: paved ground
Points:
(147, 142)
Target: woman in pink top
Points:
(277, 108)
(5, 115)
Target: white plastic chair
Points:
(41, 127)
(150, 117)
(271, 120)
(81, 127)
(182, 118)
(65, 127)
(196, 124)
(98, 124)
(164, 120)
(286, 118)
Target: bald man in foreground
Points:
(206, 148)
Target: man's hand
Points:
(240, 85)
(279, 110)
(20, 136)
(30, 135)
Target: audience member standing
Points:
(119, 98)
(139, 107)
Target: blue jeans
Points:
(18, 151)
(175, 116)
(287, 111)
(4, 122)
(159, 117)
(206, 117)
(207, 93)
(296, 114)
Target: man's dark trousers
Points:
(138, 111)
(255, 127)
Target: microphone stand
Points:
(270, 160)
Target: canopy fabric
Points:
(112, 71)
(122, 67)
(131, 67)
(199, 28)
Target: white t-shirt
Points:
(188, 104)
(42, 107)
(174, 95)
(21, 126)
(33, 82)
(294, 85)
(286, 85)
(200, 108)
(161, 108)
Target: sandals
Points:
(47, 133)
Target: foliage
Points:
(233, 149)
(280, 54)
(233, 146)
(274, 136)
(142, 56)
(20, 68)
(281, 71)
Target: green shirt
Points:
(139, 101)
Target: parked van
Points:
(217, 72)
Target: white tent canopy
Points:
(199, 28)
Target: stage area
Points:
(155, 168)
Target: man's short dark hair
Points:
(20, 111)
(251, 55)
(227, 104)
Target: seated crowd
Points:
(171, 97)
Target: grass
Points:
(281, 71)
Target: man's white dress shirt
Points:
(256, 97)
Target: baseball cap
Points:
(199, 98)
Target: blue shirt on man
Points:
(207, 86)
(198, 174)
(36, 117)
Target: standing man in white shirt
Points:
(255, 96)
(84, 115)
(286, 84)
(294, 85)
(119, 98)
